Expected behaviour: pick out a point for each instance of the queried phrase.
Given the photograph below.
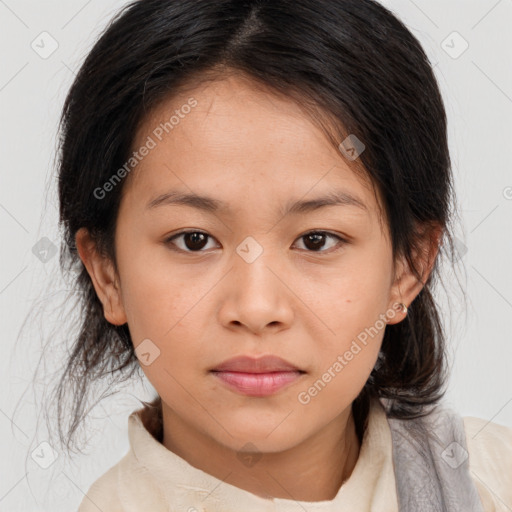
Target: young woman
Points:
(257, 194)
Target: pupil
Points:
(196, 239)
(317, 240)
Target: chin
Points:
(261, 438)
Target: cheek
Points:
(349, 321)
(163, 306)
(343, 359)
(352, 296)
(155, 295)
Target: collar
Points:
(188, 488)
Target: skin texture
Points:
(256, 151)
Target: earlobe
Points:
(403, 291)
(102, 273)
(407, 286)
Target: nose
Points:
(256, 296)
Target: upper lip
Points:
(264, 364)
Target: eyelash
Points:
(169, 241)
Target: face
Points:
(265, 268)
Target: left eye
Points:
(195, 241)
(316, 239)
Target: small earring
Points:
(401, 306)
(404, 307)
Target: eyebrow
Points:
(211, 205)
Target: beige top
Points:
(151, 478)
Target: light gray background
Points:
(477, 88)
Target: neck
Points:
(314, 470)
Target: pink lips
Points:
(257, 377)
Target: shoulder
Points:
(490, 462)
(111, 490)
(128, 485)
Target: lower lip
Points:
(258, 384)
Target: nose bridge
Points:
(251, 264)
(256, 296)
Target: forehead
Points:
(240, 140)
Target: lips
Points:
(265, 364)
(259, 377)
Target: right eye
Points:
(192, 241)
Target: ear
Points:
(406, 286)
(103, 276)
